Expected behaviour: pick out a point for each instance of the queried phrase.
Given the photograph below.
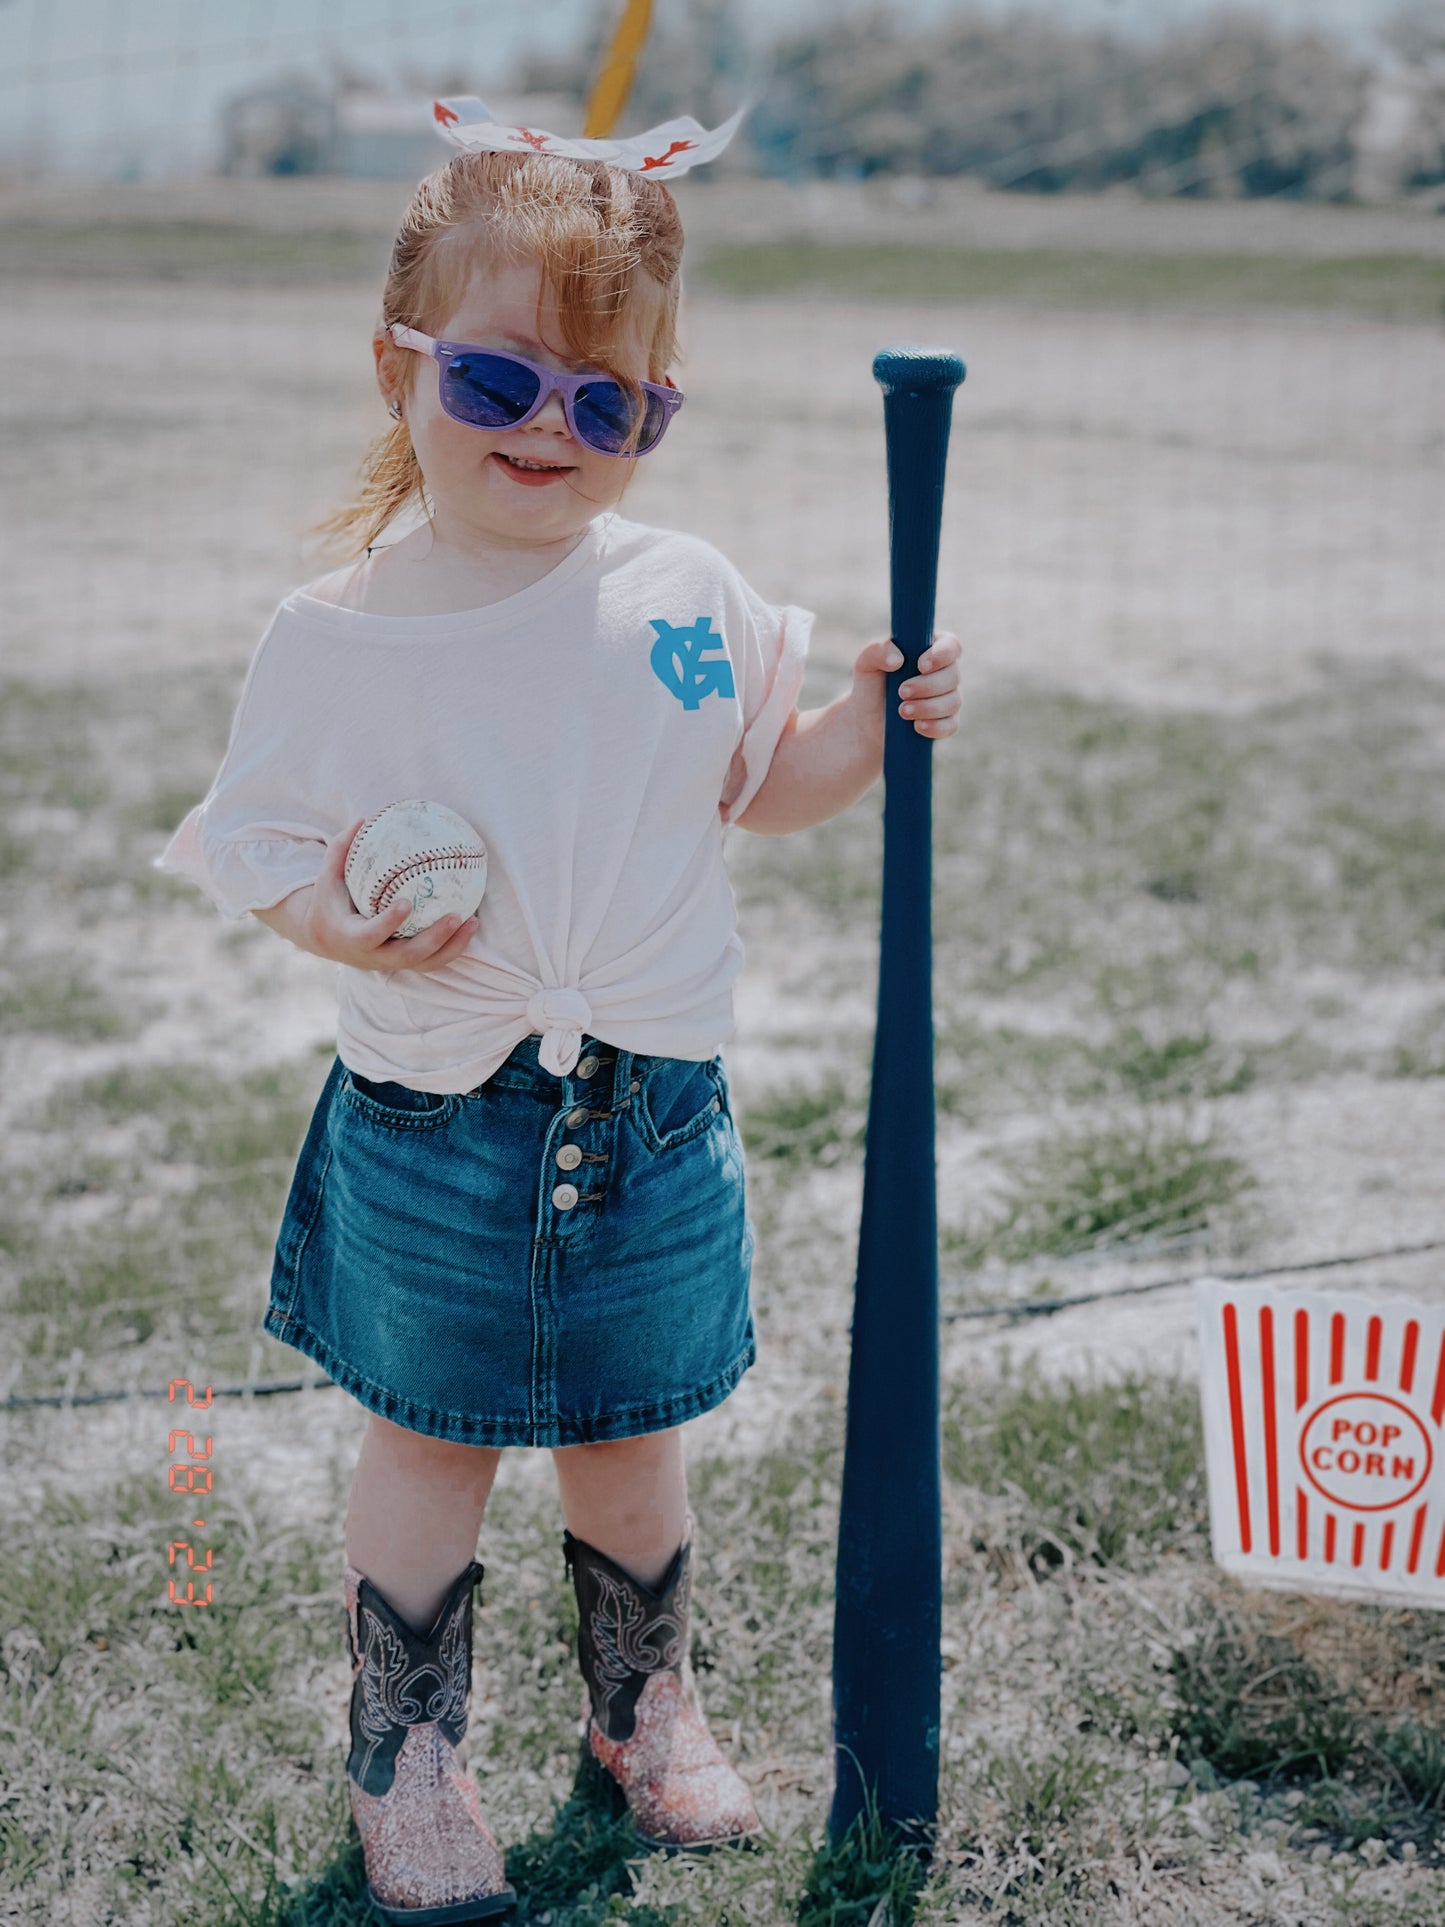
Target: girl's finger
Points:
(938, 684)
(436, 936)
(454, 939)
(439, 936)
(944, 648)
(384, 925)
(932, 706)
(461, 938)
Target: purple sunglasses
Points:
(489, 388)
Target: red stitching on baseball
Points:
(388, 887)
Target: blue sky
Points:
(132, 87)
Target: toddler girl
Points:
(518, 1215)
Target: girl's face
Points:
(474, 494)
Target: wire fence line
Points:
(282, 44)
(1007, 1309)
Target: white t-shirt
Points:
(598, 729)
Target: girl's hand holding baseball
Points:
(329, 924)
(929, 698)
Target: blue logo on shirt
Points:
(677, 658)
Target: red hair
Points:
(609, 245)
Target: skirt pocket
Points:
(398, 1107)
(679, 1099)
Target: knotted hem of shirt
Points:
(563, 1016)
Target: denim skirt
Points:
(540, 1261)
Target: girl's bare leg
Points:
(416, 1509)
(628, 1498)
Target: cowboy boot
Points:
(642, 1723)
(430, 1856)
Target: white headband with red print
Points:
(667, 150)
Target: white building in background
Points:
(283, 127)
(1384, 132)
(292, 125)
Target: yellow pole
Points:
(614, 83)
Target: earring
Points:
(394, 410)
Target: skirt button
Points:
(569, 1157)
(587, 1067)
(564, 1196)
(574, 1118)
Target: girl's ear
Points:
(390, 368)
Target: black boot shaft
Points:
(626, 1631)
(407, 1677)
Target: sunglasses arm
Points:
(411, 338)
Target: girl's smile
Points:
(529, 476)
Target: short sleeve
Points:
(241, 873)
(768, 662)
(257, 835)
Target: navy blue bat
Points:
(888, 1605)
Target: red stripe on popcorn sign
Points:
(1322, 1434)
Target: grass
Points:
(180, 1207)
(189, 250)
(1389, 287)
(1151, 1182)
(873, 1870)
(45, 997)
(799, 1125)
(1420, 1051)
(1109, 1473)
(240, 1818)
(1392, 287)
(1146, 861)
(1340, 1707)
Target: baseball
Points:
(422, 851)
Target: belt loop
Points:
(621, 1078)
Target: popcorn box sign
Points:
(1322, 1435)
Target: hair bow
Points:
(669, 149)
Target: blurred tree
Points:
(1227, 106)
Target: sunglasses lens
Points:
(605, 415)
(487, 391)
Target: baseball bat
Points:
(888, 1594)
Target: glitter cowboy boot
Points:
(430, 1856)
(645, 1742)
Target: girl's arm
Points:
(826, 758)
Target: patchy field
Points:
(1172, 948)
(1190, 1014)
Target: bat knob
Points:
(919, 370)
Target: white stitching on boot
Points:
(621, 1632)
